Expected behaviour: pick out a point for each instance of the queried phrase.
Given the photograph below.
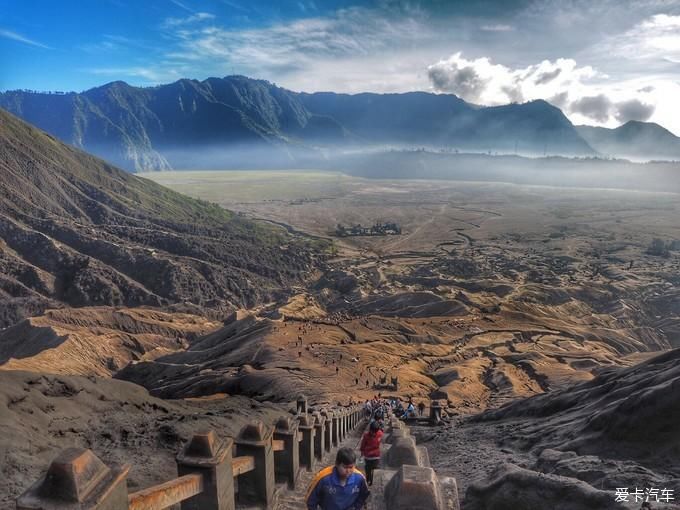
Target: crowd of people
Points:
(394, 405)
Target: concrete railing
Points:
(406, 480)
(213, 473)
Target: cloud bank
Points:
(578, 90)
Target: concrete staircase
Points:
(295, 500)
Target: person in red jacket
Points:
(370, 449)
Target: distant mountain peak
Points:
(638, 125)
(635, 140)
(118, 84)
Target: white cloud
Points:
(497, 28)
(182, 5)
(650, 47)
(633, 109)
(584, 95)
(150, 75)
(194, 18)
(349, 32)
(655, 37)
(8, 34)
(315, 52)
(482, 81)
(598, 108)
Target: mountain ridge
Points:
(239, 121)
(634, 140)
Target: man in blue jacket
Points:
(339, 487)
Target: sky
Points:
(603, 62)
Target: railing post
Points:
(306, 428)
(338, 414)
(319, 435)
(209, 456)
(395, 434)
(287, 462)
(414, 487)
(405, 452)
(328, 439)
(336, 428)
(302, 405)
(78, 479)
(343, 424)
(258, 485)
(435, 412)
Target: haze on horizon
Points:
(603, 63)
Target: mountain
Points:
(634, 140)
(444, 120)
(535, 127)
(76, 231)
(82, 120)
(183, 124)
(391, 118)
(242, 122)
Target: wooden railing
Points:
(213, 473)
(166, 494)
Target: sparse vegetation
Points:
(659, 248)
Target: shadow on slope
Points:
(617, 430)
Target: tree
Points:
(658, 248)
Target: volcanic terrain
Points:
(491, 293)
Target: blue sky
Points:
(602, 62)
(65, 45)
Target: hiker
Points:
(339, 487)
(421, 408)
(370, 449)
(378, 417)
(410, 410)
